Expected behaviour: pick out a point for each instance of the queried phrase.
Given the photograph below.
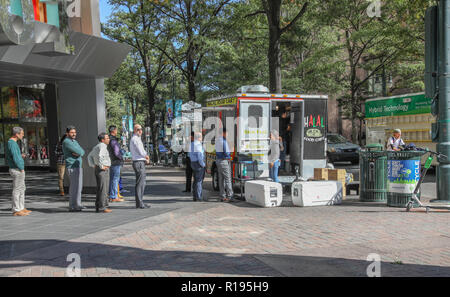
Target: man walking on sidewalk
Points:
(197, 155)
(73, 154)
(223, 158)
(140, 158)
(116, 164)
(99, 158)
(14, 159)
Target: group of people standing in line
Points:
(196, 167)
(106, 159)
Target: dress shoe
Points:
(106, 210)
(20, 214)
(145, 206)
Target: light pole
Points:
(443, 176)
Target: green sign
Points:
(397, 106)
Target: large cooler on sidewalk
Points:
(317, 193)
(263, 193)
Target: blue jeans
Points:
(114, 176)
(273, 172)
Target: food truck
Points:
(410, 112)
(250, 115)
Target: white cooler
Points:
(263, 193)
(317, 193)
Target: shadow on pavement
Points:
(127, 258)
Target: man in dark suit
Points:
(188, 166)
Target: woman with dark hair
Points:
(61, 164)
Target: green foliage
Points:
(200, 49)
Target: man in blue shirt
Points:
(197, 156)
(223, 158)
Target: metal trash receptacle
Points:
(373, 174)
(403, 174)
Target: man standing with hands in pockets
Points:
(140, 158)
(14, 159)
(99, 158)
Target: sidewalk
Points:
(216, 239)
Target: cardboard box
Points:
(337, 174)
(320, 173)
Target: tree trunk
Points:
(191, 87)
(274, 53)
(151, 112)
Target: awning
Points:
(94, 58)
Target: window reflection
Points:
(31, 104)
(9, 103)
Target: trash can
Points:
(373, 174)
(403, 172)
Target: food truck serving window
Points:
(254, 125)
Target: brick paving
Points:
(241, 240)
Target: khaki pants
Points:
(61, 171)
(225, 179)
(18, 193)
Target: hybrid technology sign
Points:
(25, 22)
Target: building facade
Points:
(53, 62)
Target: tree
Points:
(128, 81)
(273, 11)
(192, 26)
(137, 23)
(370, 45)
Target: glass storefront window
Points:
(9, 103)
(31, 144)
(43, 142)
(31, 105)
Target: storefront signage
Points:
(25, 22)
(315, 134)
(222, 102)
(396, 106)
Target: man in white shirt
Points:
(395, 142)
(197, 156)
(99, 158)
(140, 158)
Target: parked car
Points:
(339, 149)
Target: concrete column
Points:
(52, 122)
(82, 104)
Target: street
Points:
(179, 237)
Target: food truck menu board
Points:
(315, 129)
